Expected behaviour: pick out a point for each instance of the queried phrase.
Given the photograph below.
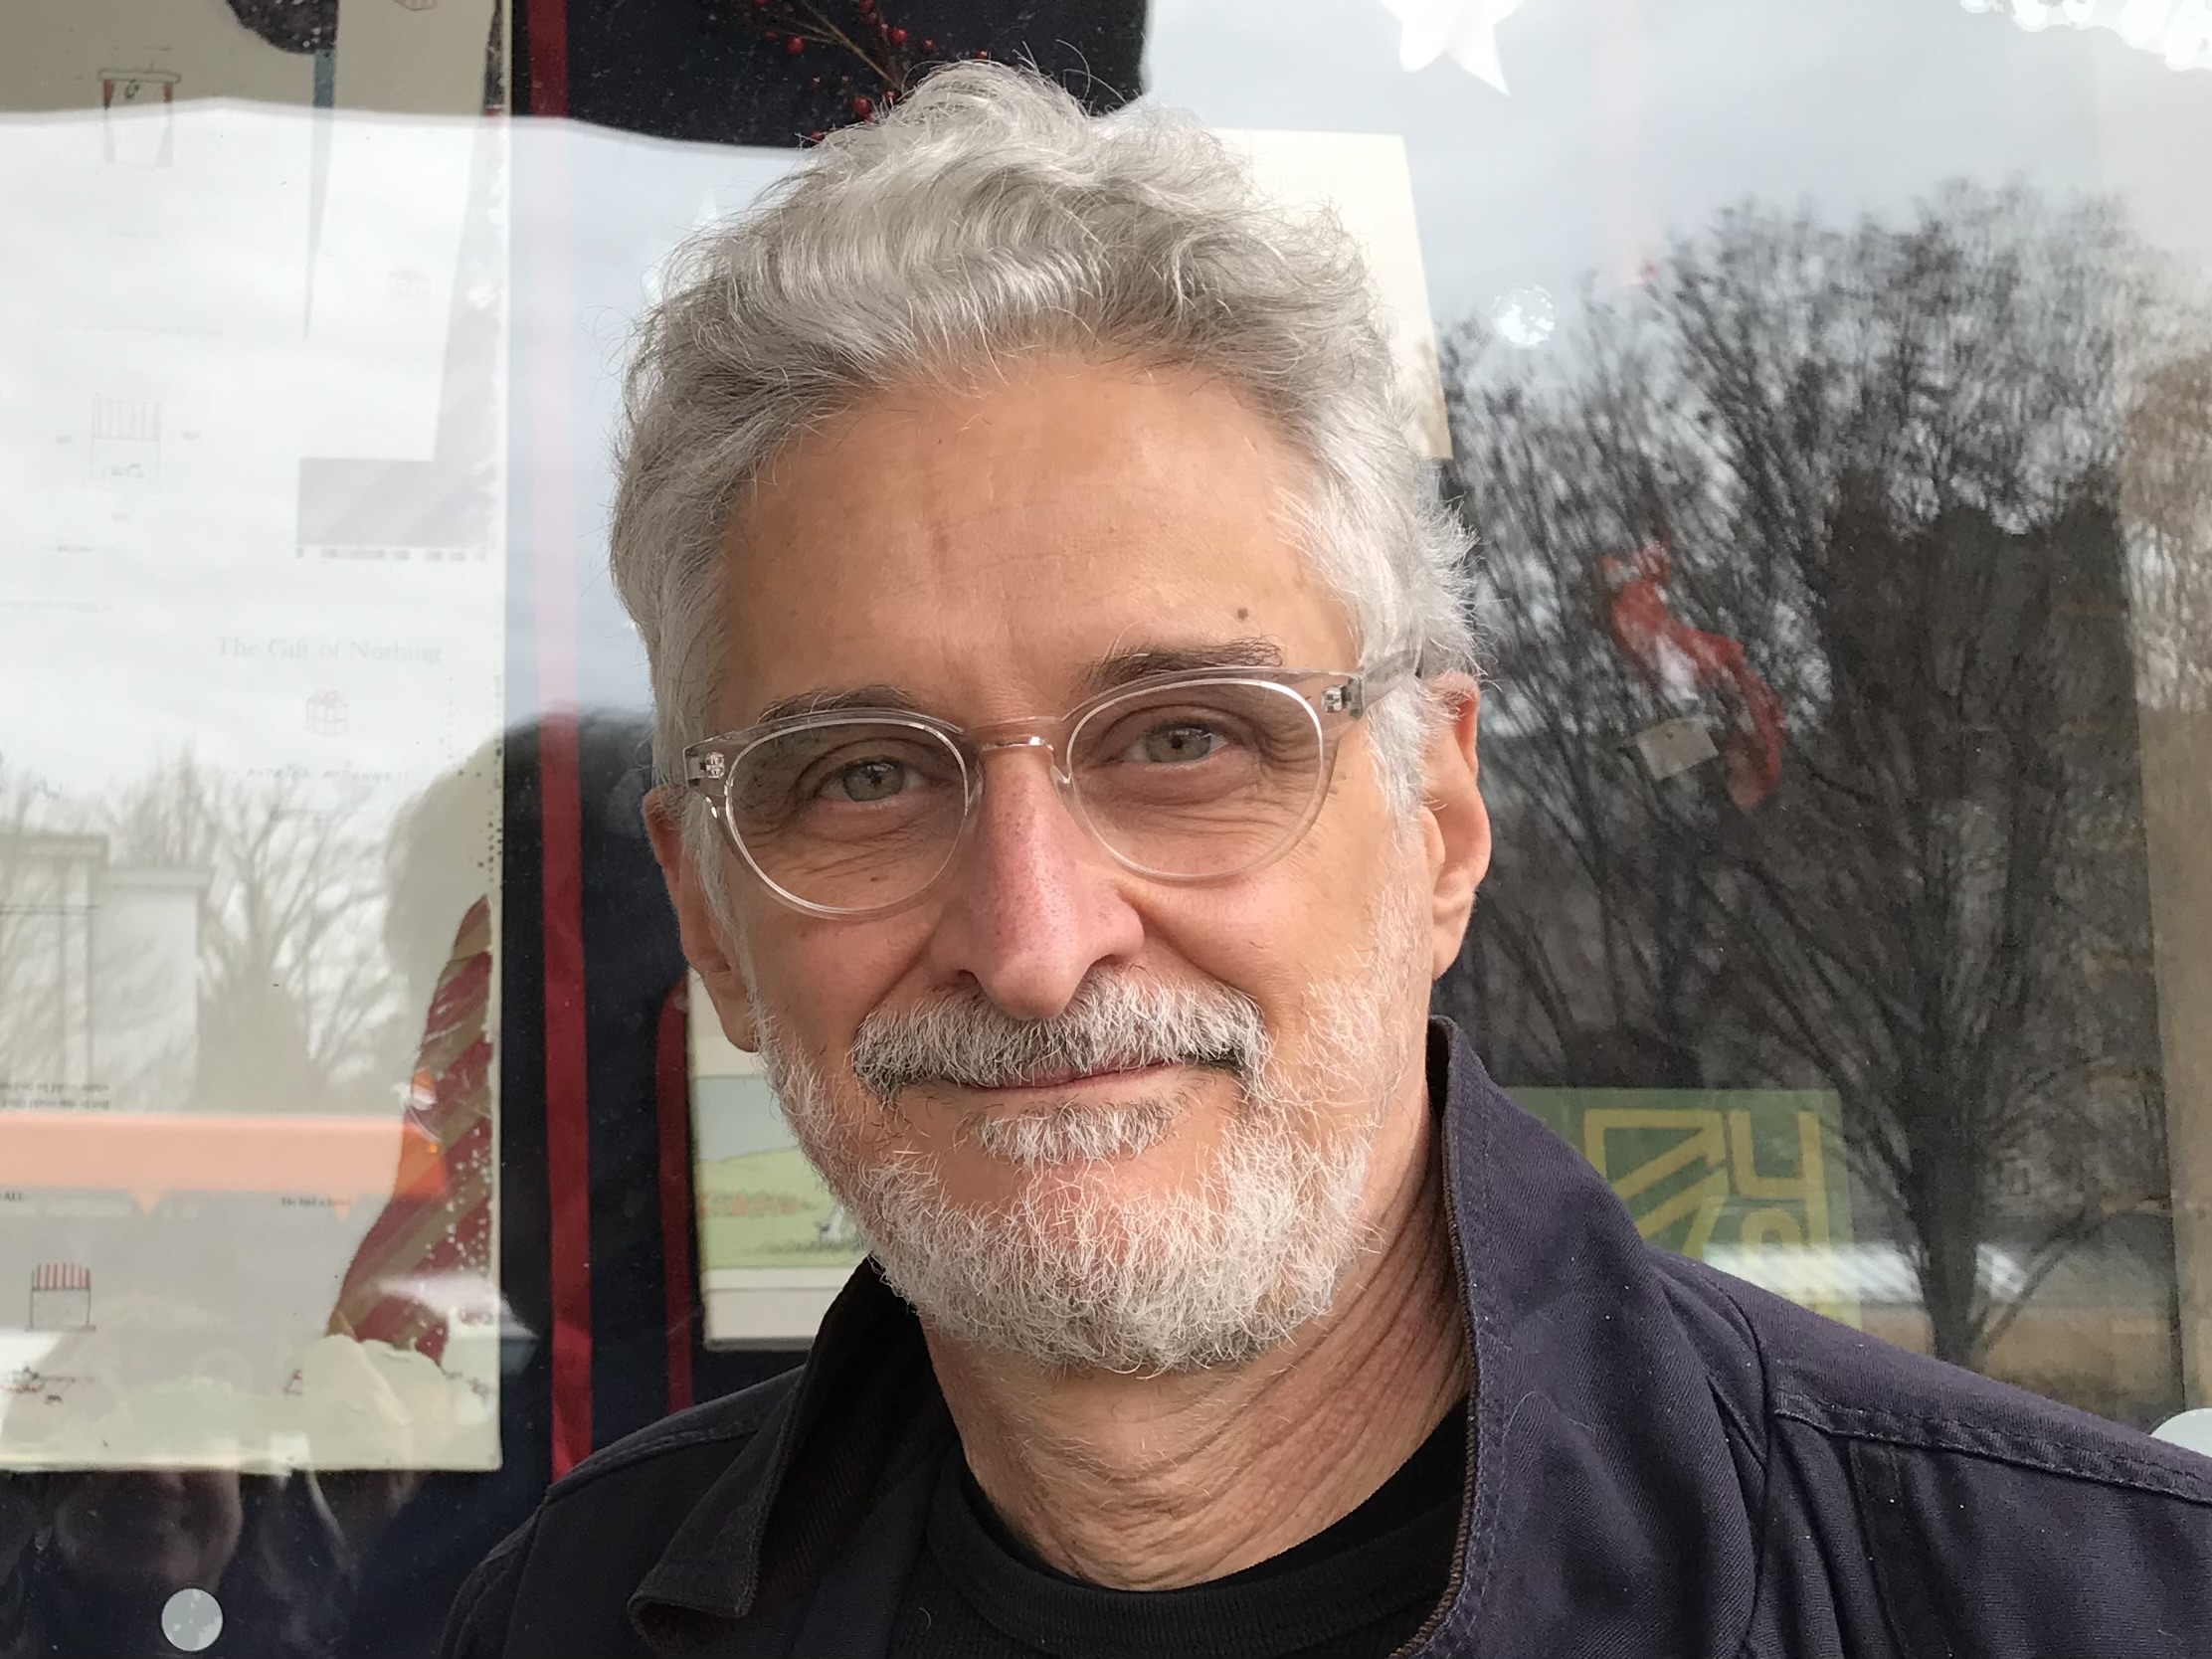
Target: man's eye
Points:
(1175, 745)
(869, 780)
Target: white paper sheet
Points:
(249, 795)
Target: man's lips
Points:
(1070, 1079)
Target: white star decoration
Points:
(1466, 30)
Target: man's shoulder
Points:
(1984, 1518)
(1783, 1364)
(567, 1574)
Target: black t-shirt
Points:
(1357, 1591)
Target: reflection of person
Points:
(1023, 504)
(113, 1548)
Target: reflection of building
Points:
(99, 977)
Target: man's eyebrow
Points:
(1126, 666)
(1105, 673)
(825, 701)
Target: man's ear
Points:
(1455, 824)
(704, 948)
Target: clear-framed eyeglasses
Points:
(1188, 777)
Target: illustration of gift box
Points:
(328, 715)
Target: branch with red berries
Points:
(855, 66)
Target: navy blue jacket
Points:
(1662, 1461)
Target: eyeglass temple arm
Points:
(1356, 693)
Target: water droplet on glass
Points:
(191, 1619)
(1524, 316)
(2192, 1429)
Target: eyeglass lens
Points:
(1186, 782)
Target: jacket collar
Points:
(865, 1414)
(1600, 1484)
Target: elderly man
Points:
(1065, 709)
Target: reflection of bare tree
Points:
(295, 1011)
(209, 942)
(1888, 461)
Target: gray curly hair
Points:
(986, 218)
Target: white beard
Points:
(1075, 1276)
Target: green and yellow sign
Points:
(1748, 1180)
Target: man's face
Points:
(984, 552)
(153, 1531)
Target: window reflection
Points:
(1815, 743)
(110, 1550)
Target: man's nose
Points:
(1035, 903)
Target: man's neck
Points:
(1155, 1482)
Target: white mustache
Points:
(1115, 1023)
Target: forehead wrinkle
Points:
(1121, 666)
(987, 547)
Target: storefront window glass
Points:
(1828, 388)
